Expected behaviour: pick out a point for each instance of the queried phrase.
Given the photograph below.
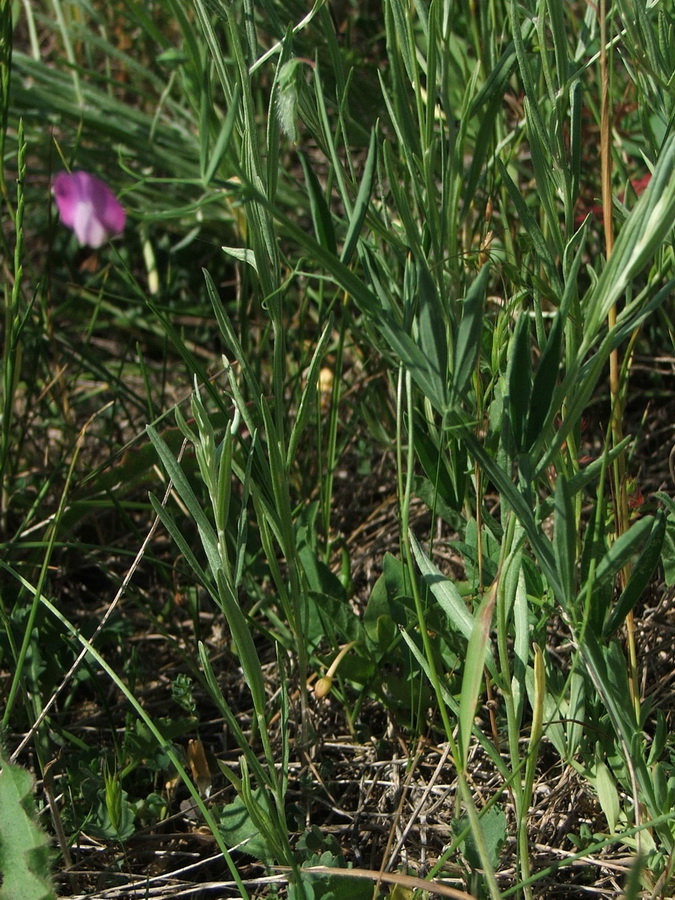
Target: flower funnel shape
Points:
(88, 206)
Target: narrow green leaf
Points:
(285, 96)
(532, 228)
(575, 135)
(178, 538)
(321, 217)
(575, 727)
(564, 540)
(243, 640)
(468, 342)
(405, 48)
(342, 274)
(543, 158)
(522, 637)
(243, 255)
(402, 202)
(608, 669)
(223, 141)
(134, 703)
(512, 496)
(520, 379)
(581, 377)
(607, 795)
(496, 81)
(446, 471)
(648, 225)
(205, 112)
(473, 672)
(362, 200)
(558, 30)
(189, 498)
(415, 362)
(623, 550)
(543, 388)
(309, 393)
(330, 141)
(432, 325)
(445, 592)
(483, 146)
(640, 575)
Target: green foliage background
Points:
(354, 231)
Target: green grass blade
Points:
(189, 498)
(358, 214)
(641, 573)
(473, 672)
(321, 217)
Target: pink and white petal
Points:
(88, 206)
(67, 196)
(115, 217)
(87, 226)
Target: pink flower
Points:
(88, 206)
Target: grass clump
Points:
(337, 541)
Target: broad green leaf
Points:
(385, 610)
(238, 826)
(494, 827)
(24, 849)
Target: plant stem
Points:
(615, 387)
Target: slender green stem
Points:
(616, 382)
